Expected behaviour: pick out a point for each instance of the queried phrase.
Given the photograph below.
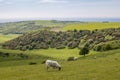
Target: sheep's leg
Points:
(47, 67)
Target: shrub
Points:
(97, 48)
(73, 44)
(107, 47)
(84, 51)
(60, 46)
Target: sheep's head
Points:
(59, 68)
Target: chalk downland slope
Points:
(92, 26)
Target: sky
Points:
(59, 9)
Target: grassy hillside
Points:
(55, 53)
(26, 26)
(4, 38)
(92, 26)
(104, 67)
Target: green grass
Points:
(60, 54)
(86, 68)
(106, 66)
(92, 26)
(4, 38)
(54, 53)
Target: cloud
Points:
(5, 2)
(1, 1)
(53, 1)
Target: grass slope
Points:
(27, 26)
(92, 26)
(105, 67)
(55, 53)
(4, 38)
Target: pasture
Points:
(104, 67)
(92, 26)
(4, 38)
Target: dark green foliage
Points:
(23, 56)
(20, 55)
(45, 39)
(42, 45)
(2, 54)
(98, 48)
(60, 46)
(73, 44)
(84, 51)
(107, 47)
(110, 45)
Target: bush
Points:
(42, 46)
(106, 47)
(44, 39)
(73, 44)
(97, 48)
(60, 46)
(84, 51)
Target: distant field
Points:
(4, 38)
(92, 26)
(27, 26)
(49, 23)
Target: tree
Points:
(107, 47)
(84, 51)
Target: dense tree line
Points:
(72, 39)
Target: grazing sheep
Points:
(75, 58)
(53, 64)
(72, 58)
